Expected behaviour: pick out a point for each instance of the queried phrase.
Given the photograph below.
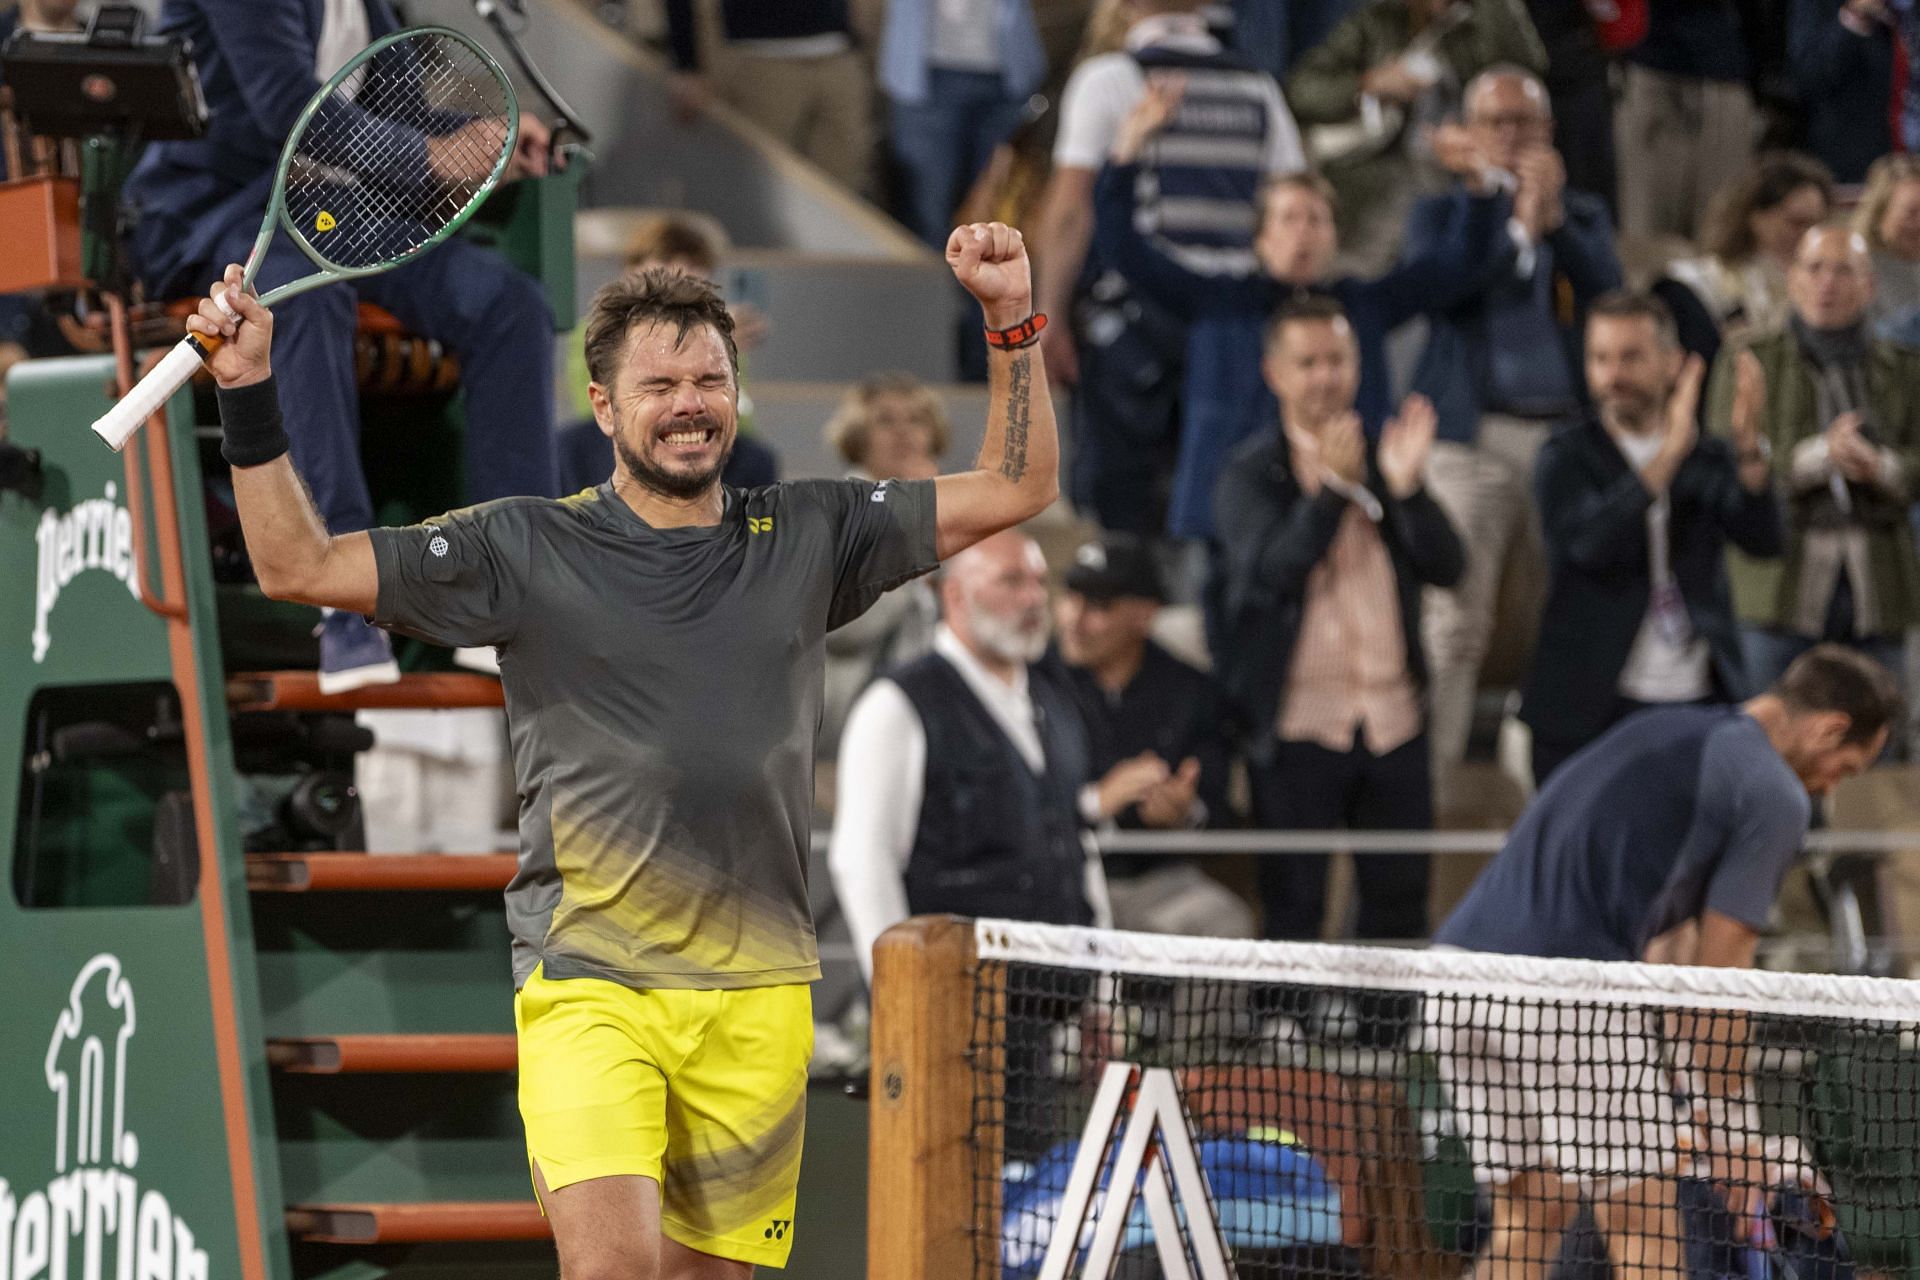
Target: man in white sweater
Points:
(963, 780)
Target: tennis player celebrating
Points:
(660, 643)
(1667, 839)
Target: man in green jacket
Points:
(1364, 98)
(1842, 424)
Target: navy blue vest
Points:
(995, 838)
(1200, 175)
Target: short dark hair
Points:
(1627, 304)
(1831, 677)
(1306, 308)
(658, 295)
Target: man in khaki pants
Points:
(792, 68)
(1685, 123)
(1501, 366)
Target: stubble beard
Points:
(1635, 414)
(681, 486)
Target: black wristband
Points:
(250, 425)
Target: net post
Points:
(920, 1163)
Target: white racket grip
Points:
(152, 391)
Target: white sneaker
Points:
(353, 654)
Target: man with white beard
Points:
(963, 778)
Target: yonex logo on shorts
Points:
(778, 1231)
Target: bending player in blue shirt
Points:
(1667, 839)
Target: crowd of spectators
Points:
(1395, 333)
(1398, 334)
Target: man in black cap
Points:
(1139, 701)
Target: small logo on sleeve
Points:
(438, 544)
(759, 524)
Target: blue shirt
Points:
(1673, 812)
(906, 45)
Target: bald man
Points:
(1502, 367)
(964, 780)
(1842, 431)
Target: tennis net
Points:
(1055, 1103)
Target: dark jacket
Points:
(1846, 84)
(1455, 370)
(1169, 708)
(255, 59)
(1272, 535)
(1594, 512)
(994, 838)
(1225, 398)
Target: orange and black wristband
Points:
(251, 430)
(1024, 334)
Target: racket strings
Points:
(399, 152)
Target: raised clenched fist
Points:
(990, 261)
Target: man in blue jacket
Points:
(199, 205)
(1501, 368)
(1224, 399)
(1638, 511)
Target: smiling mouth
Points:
(689, 437)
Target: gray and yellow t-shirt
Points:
(663, 689)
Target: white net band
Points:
(1455, 973)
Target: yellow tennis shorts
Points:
(705, 1092)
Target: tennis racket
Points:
(391, 156)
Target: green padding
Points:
(369, 963)
(83, 836)
(95, 845)
(1447, 1170)
(400, 1138)
(531, 223)
(1867, 1137)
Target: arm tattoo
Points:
(1013, 452)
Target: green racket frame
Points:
(179, 365)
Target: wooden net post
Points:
(920, 1215)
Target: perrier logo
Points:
(323, 221)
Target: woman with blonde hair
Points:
(1889, 218)
(891, 426)
(1751, 229)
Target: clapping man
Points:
(1638, 511)
(1329, 540)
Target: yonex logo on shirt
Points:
(759, 524)
(880, 491)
